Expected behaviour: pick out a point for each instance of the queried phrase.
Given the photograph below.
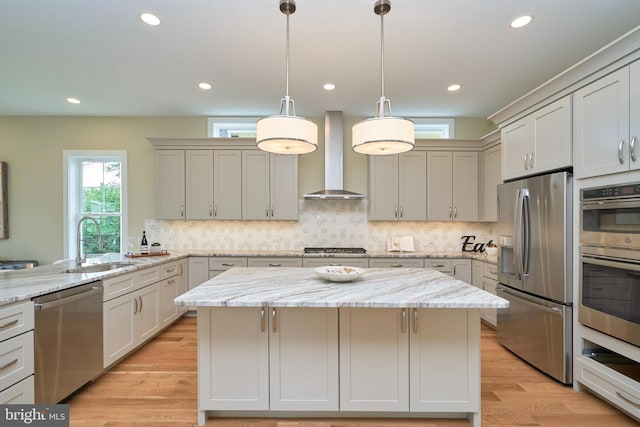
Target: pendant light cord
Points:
(382, 56)
(287, 61)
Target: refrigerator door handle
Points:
(512, 294)
(517, 243)
(526, 231)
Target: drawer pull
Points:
(275, 265)
(171, 270)
(438, 266)
(628, 398)
(493, 272)
(227, 264)
(6, 365)
(396, 265)
(10, 323)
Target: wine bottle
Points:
(144, 245)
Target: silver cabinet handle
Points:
(135, 309)
(169, 282)
(181, 269)
(455, 212)
(262, 320)
(415, 320)
(210, 211)
(10, 323)
(401, 211)
(227, 264)
(272, 211)
(140, 304)
(628, 398)
(215, 210)
(275, 265)
(6, 365)
(274, 326)
(403, 327)
(438, 266)
(181, 210)
(526, 161)
(632, 149)
(171, 270)
(620, 145)
(396, 214)
(454, 269)
(531, 160)
(450, 212)
(396, 265)
(266, 211)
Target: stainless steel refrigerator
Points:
(535, 271)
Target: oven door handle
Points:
(514, 295)
(607, 262)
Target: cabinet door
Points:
(461, 269)
(439, 186)
(374, 359)
(477, 271)
(445, 361)
(170, 184)
(634, 114)
(412, 186)
(601, 126)
(284, 187)
(465, 186)
(233, 359)
(552, 143)
(255, 185)
(301, 338)
(199, 184)
(490, 315)
(491, 178)
(147, 316)
(383, 188)
(227, 184)
(198, 271)
(168, 292)
(516, 146)
(118, 328)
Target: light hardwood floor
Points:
(157, 387)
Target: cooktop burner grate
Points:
(335, 251)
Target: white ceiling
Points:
(101, 53)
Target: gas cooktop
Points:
(335, 251)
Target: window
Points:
(232, 127)
(95, 186)
(434, 128)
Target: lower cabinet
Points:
(17, 353)
(458, 268)
(347, 359)
(485, 277)
(170, 288)
(261, 359)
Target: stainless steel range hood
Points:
(333, 161)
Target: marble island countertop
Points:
(300, 287)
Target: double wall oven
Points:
(610, 260)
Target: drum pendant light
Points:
(287, 133)
(383, 134)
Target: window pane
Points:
(100, 187)
(110, 231)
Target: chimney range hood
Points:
(333, 161)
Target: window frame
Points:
(72, 204)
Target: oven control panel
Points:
(611, 192)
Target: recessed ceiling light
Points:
(454, 87)
(329, 86)
(73, 100)
(520, 21)
(150, 19)
(204, 86)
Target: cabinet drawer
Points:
(22, 393)
(225, 263)
(148, 276)
(274, 262)
(396, 263)
(169, 270)
(490, 271)
(16, 359)
(442, 265)
(609, 384)
(322, 261)
(16, 319)
(119, 285)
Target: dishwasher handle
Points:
(82, 295)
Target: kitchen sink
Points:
(98, 268)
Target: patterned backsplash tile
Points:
(341, 223)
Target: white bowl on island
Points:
(339, 273)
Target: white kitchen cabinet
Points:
(234, 367)
(539, 142)
(300, 338)
(396, 263)
(606, 124)
(170, 184)
(485, 277)
(458, 268)
(274, 262)
(199, 184)
(374, 359)
(227, 184)
(490, 177)
(335, 261)
(198, 271)
(174, 283)
(219, 265)
(398, 187)
(269, 186)
(17, 353)
(22, 393)
(444, 361)
(452, 186)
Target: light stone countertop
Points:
(300, 287)
(21, 285)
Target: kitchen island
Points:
(283, 342)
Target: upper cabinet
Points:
(170, 184)
(397, 187)
(199, 184)
(490, 177)
(606, 123)
(539, 142)
(227, 184)
(452, 186)
(269, 186)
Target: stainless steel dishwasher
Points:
(68, 341)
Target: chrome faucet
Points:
(79, 259)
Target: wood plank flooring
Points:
(157, 387)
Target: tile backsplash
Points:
(341, 223)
